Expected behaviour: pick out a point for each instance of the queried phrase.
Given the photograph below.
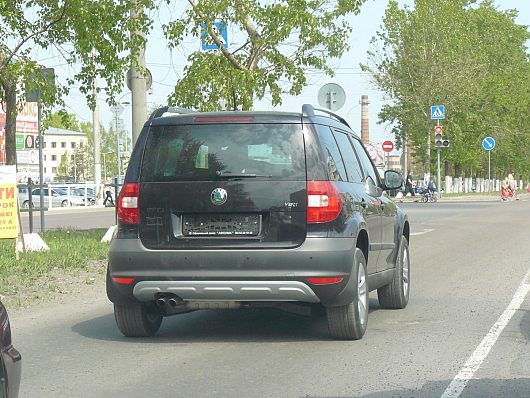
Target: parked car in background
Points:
(89, 193)
(59, 198)
(23, 195)
(10, 359)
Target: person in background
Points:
(512, 187)
(431, 186)
(505, 190)
(409, 184)
(108, 196)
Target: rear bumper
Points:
(227, 290)
(234, 275)
(13, 363)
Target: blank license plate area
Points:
(219, 225)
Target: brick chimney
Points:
(365, 124)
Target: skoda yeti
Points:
(233, 210)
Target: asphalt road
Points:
(462, 335)
(70, 217)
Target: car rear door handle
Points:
(363, 203)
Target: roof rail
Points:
(169, 109)
(309, 110)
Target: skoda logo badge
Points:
(218, 196)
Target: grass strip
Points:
(69, 250)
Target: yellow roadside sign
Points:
(8, 202)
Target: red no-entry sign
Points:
(388, 146)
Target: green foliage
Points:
(62, 120)
(98, 37)
(63, 170)
(278, 42)
(469, 57)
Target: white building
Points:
(56, 143)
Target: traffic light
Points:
(439, 141)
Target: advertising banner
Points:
(27, 125)
(8, 202)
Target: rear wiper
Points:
(239, 175)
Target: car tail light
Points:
(123, 280)
(129, 204)
(324, 201)
(325, 281)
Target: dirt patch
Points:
(57, 287)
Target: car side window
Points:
(351, 162)
(368, 166)
(332, 157)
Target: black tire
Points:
(434, 198)
(348, 322)
(137, 319)
(25, 204)
(424, 199)
(65, 203)
(396, 294)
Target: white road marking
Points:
(425, 231)
(481, 352)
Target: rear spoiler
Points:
(169, 109)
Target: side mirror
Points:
(393, 179)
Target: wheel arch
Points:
(363, 242)
(406, 230)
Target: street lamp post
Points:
(75, 168)
(105, 164)
(118, 150)
(118, 109)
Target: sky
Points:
(167, 66)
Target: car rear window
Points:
(200, 152)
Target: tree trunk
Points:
(11, 121)
(458, 170)
(427, 164)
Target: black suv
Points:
(233, 210)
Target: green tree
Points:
(280, 41)
(63, 170)
(80, 166)
(473, 60)
(94, 36)
(62, 120)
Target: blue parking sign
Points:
(219, 28)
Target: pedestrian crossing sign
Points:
(437, 112)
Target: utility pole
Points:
(117, 110)
(97, 144)
(438, 178)
(405, 155)
(138, 82)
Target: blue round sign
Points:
(488, 143)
